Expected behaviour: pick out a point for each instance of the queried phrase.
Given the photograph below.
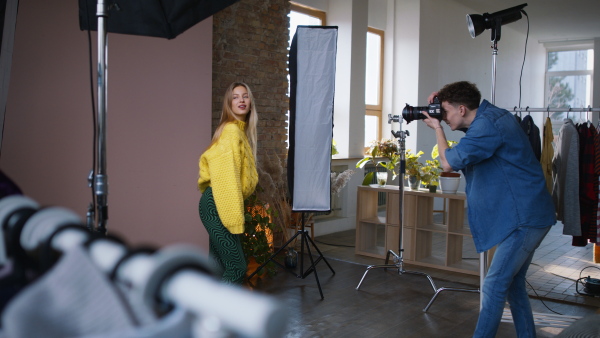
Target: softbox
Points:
(157, 18)
(312, 85)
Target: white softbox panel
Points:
(312, 84)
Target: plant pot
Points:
(414, 182)
(382, 177)
(449, 184)
(432, 188)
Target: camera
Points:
(410, 113)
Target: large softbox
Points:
(157, 18)
(312, 85)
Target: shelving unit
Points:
(439, 242)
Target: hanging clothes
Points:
(565, 175)
(548, 153)
(597, 167)
(588, 182)
(518, 118)
(533, 133)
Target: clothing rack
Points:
(177, 276)
(552, 110)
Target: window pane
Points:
(571, 60)
(569, 91)
(301, 19)
(371, 129)
(373, 69)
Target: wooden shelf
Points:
(427, 241)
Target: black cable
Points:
(340, 245)
(94, 121)
(524, 56)
(540, 298)
(552, 273)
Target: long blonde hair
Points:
(227, 116)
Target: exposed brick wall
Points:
(250, 44)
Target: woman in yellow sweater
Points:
(227, 177)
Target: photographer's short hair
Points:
(462, 92)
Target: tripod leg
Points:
(312, 267)
(271, 259)
(320, 254)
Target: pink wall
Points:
(158, 122)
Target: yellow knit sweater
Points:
(228, 167)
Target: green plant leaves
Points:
(368, 178)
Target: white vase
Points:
(449, 185)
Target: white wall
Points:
(449, 54)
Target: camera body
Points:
(410, 113)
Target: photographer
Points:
(508, 204)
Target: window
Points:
(302, 16)
(373, 86)
(569, 75)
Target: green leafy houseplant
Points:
(258, 225)
(435, 153)
(386, 148)
(413, 166)
(430, 173)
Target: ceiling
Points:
(549, 20)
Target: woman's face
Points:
(240, 104)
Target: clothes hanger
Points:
(567, 119)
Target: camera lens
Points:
(410, 113)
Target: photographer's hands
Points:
(440, 137)
(430, 98)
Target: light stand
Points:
(477, 24)
(98, 210)
(305, 241)
(398, 257)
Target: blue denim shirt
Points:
(505, 187)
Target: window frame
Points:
(377, 110)
(551, 48)
(296, 7)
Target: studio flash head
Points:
(410, 113)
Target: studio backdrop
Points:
(312, 86)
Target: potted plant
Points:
(449, 181)
(386, 148)
(258, 235)
(413, 169)
(430, 174)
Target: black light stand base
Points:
(305, 242)
(398, 259)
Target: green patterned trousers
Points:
(225, 248)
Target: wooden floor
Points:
(388, 304)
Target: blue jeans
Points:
(505, 280)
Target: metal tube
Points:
(101, 180)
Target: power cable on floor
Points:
(552, 273)
(340, 245)
(540, 298)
